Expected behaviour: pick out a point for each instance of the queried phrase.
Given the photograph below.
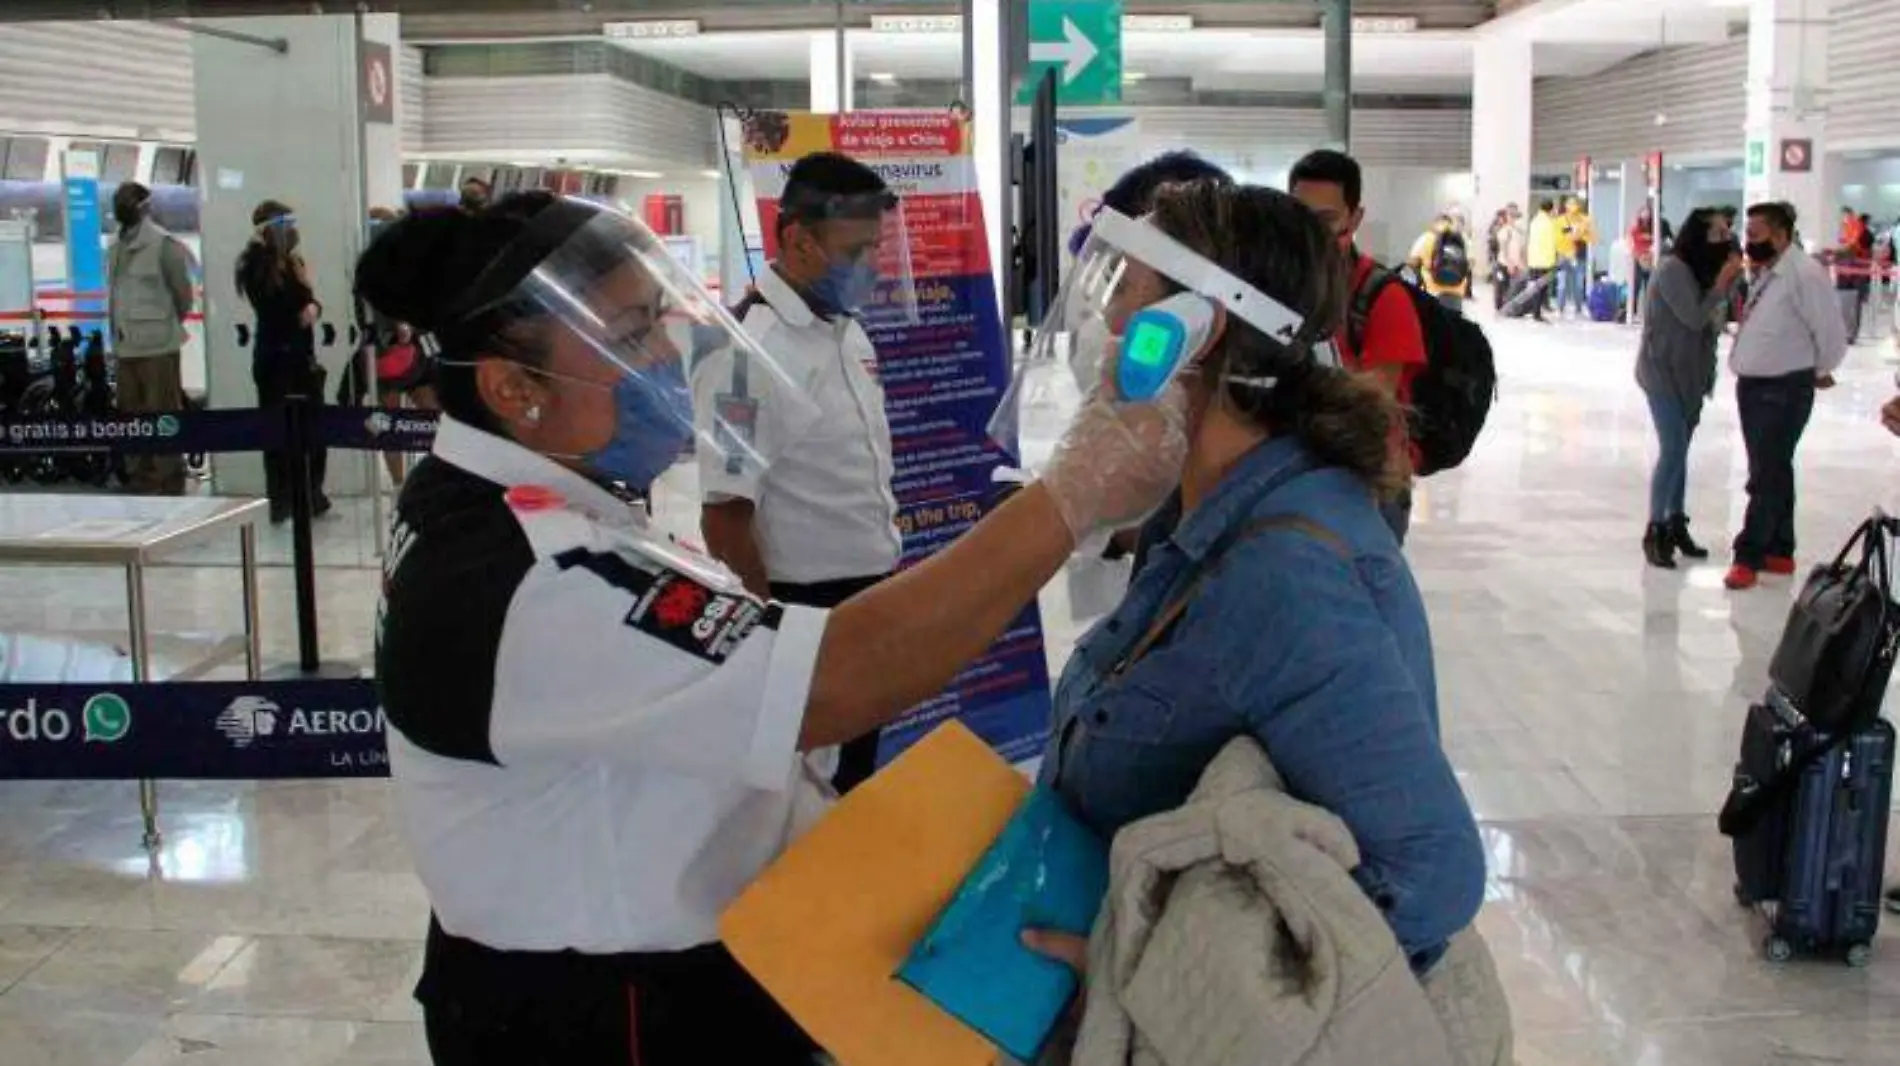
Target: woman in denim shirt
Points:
(1308, 635)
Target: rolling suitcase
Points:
(1812, 863)
(1606, 299)
(1522, 298)
(1809, 806)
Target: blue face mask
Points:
(847, 286)
(652, 424)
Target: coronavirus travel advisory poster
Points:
(943, 361)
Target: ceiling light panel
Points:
(917, 23)
(1384, 24)
(1157, 23)
(651, 29)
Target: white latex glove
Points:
(1118, 461)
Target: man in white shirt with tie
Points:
(1791, 342)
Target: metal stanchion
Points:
(299, 430)
(141, 673)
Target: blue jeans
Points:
(1572, 281)
(1669, 482)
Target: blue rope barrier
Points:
(239, 429)
(203, 730)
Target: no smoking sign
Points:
(379, 83)
(1797, 155)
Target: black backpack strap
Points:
(1360, 312)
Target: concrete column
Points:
(1337, 92)
(286, 126)
(831, 73)
(1787, 104)
(1500, 122)
(382, 141)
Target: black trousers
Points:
(1774, 414)
(485, 1007)
(277, 380)
(857, 759)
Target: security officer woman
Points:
(597, 734)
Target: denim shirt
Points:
(1326, 661)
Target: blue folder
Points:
(1045, 871)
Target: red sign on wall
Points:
(379, 83)
(1797, 155)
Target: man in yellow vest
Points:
(1575, 234)
(1540, 258)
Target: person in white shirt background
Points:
(817, 525)
(1791, 341)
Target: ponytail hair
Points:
(1273, 242)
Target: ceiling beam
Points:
(543, 18)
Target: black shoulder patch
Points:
(462, 556)
(674, 608)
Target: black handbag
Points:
(1831, 667)
(1837, 650)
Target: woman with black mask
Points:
(1676, 368)
(276, 281)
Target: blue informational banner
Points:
(241, 730)
(85, 251)
(943, 359)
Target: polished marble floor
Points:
(1591, 707)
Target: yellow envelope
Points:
(827, 926)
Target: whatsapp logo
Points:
(107, 718)
(167, 427)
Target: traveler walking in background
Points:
(1676, 369)
(819, 525)
(1508, 276)
(1575, 234)
(1389, 343)
(148, 296)
(1853, 262)
(276, 281)
(1442, 261)
(1643, 253)
(1791, 341)
(1852, 228)
(1541, 258)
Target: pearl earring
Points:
(534, 415)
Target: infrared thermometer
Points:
(1158, 340)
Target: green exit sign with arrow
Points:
(1081, 40)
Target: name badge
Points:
(735, 429)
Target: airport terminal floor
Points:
(1591, 706)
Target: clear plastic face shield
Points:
(618, 323)
(1137, 308)
(865, 242)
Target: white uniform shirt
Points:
(824, 506)
(594, 731)
(1793, 322)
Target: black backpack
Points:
(1451, 261)
(1453, 393)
